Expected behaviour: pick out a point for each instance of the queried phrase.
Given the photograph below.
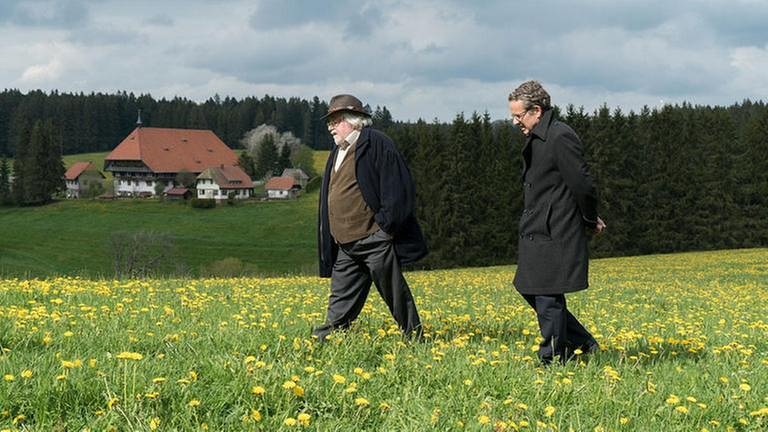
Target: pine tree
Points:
(266, 162)
(284, 161)
(245, 161)
(5, 185)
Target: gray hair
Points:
(358, 121)
(531, 93)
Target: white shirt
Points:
(342, 153)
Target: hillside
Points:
(683, 340)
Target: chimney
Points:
(138, 120)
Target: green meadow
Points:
(684, 342)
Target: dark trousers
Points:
(360, 263)
(562, 333)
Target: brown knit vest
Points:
(350, 218)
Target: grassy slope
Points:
(71, 237)
(683, 339)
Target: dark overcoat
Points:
(387, 188)
(560, 211)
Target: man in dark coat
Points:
(367, 228)
(559, 218)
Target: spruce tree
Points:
(266, 161)
(5, 185)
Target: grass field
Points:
(71, 237)
(684, 338)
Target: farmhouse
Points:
(150, 155)
(281, 187)
(299, 176)
(222, 181)
(79, 176)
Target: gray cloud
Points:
(44, 13)
(421, 58)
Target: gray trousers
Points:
(359, 263)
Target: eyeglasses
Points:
(332, 123)
(519, 117)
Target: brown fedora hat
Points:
(345, 102)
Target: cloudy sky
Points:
(421, 58)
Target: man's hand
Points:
(599, 227)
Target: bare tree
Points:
(141, 254)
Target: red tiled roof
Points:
(228, 177)
(76, 169)
(177, 191)
(166, 150)
(280, 183)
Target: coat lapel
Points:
(362, 142)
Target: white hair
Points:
(357, 121)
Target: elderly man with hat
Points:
(367, 228)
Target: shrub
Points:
(202, 203)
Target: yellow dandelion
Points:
(483, 420)
(362, 402)
(549, 411)
(521, 406)
(193, 403)
(154, 423)
(9, 377)
(290, 421)
(127, 355)
(745, 387)
(152, 395)
(762, 412)
(26, 374)
(384, 406)
(112, 402)
(673, 400)
(623, 421)
(681, 409)
(304, 419)
(289, 385)
(255, 415)
(298, 391)
(159, 380)
(339, 379)
(258, 391)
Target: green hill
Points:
(71, 237)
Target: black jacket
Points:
(560, 208)
(387, 188)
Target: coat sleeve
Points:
(397, 192)
(569, 155)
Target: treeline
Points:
(97, 122)
(673, 179)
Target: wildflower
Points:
(483, 420)
(9, 377)
(549, 411)
(298, 391)
(681, 409)
(126, 355)
(623, 421)
(304, 419)
(193, 403)
(154, 423)
(26, 374)
(258, 391)
(255, 415)
(289, 385)
(362, 402)
(673, 400)
(762, 412)
(339, 379)
(112, 402)
(290, 421)
(151, 395)
(745, 387)
(384, 406)
(521, 406)
(158, 380)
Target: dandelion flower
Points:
(193, 403)
(549, 411)
(290, 421)
(304, 419)
(127, 355)
(258, 390)
(362, 402)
